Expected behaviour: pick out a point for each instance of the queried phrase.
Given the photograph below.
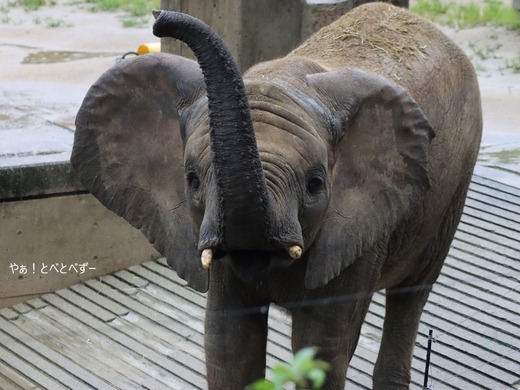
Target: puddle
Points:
(500, 149)
(499, 158)
(38, 144)
(501, 162)
(52, 57)
(501, 154)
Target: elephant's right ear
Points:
(128, 152)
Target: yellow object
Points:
(146, 48)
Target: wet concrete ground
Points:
(45, 72)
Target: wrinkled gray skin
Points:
(359, 157)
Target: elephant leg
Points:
(403, 312)
(235, 338)
(334, 329)
(405, 303)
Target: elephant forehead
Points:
(299, 149)
(197, 146)
(286, 106)
(287, 126)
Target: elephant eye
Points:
(193, 181)
(315, 184)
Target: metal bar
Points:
(427, 366)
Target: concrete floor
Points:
(142, 328)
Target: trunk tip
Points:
(156, 13)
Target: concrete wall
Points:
(256, 31)
(46, 237)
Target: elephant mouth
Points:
(253, 266)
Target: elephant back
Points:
(382, 39)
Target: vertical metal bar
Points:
(427, 367)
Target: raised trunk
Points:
(242, 219)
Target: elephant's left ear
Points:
(380, 174)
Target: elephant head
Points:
(286, 163)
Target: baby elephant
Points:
(311, 182)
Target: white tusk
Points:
(206, 257)
(294, 251)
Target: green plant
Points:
(433, 9)
(135, 10)
(492, 12)
(132, 7)
(488, 51)
(32, 5)
(513, 64)
(500, 14)
(4, 15)
(479, 67)
(133, 21)
(304, 370)
(56, 23)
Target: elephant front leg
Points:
(334, 329)
(235, 341)
(403, 312)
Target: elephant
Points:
(310, 182)
(400, 3)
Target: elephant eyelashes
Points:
(315, 185)
(316, 177)
(193, 181)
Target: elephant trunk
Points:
(242, 218)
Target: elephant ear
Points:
(380, 171)
(128, 151)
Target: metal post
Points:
(427, 367)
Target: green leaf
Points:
(261, 384)
(302, 372)
(283, 371)
(321, 365)
(304, 356)
(317, 378)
